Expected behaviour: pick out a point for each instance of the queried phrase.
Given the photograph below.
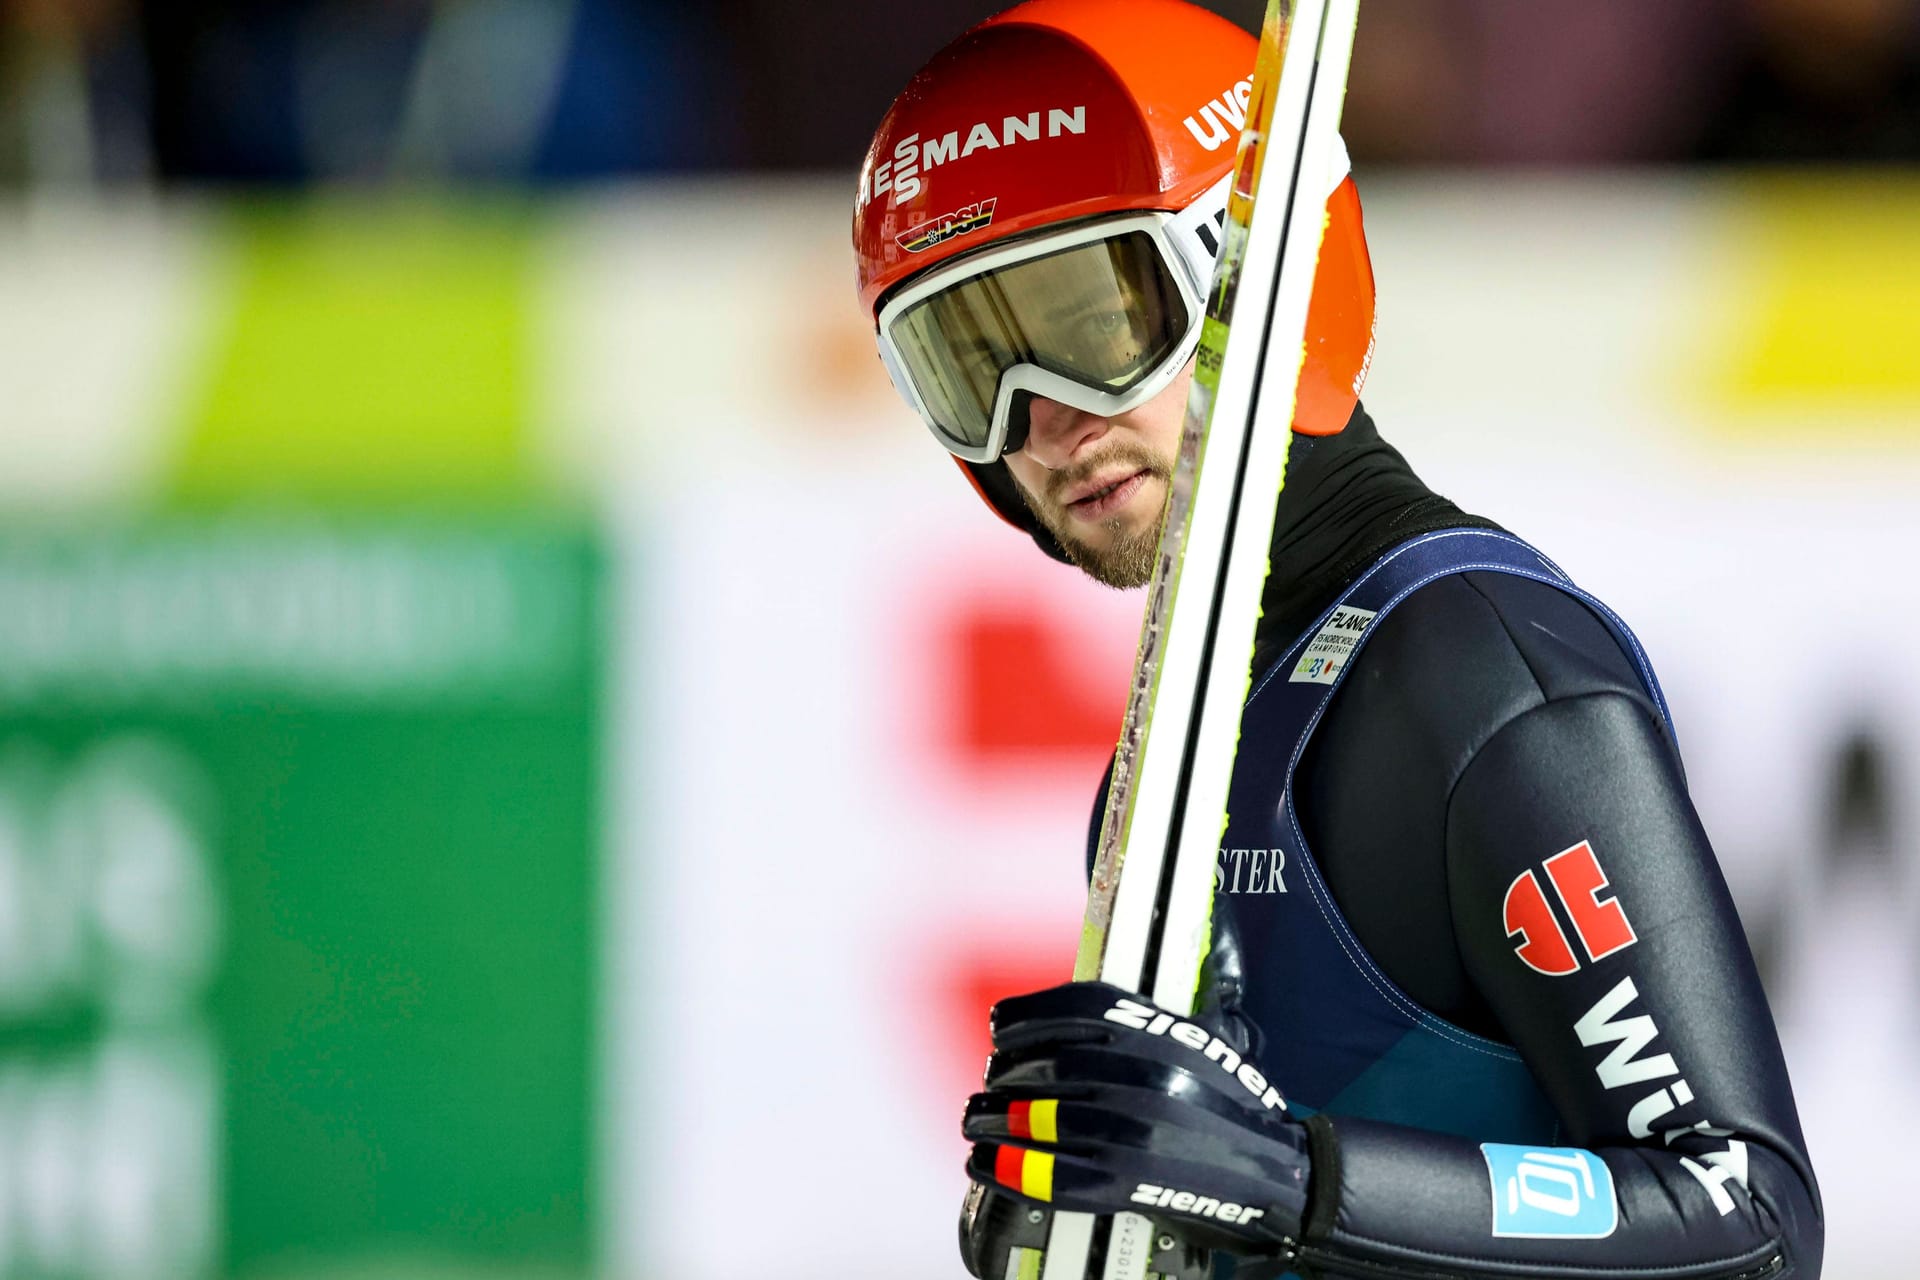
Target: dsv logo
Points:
(1602, 927)
(939, 230)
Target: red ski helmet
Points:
(1059, 111)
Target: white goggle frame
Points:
(1186, 241)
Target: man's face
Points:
(1100, 485)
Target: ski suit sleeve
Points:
(1592, 917)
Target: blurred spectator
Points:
(295, 91)
(1563, 82)
(1410, 93)
(1820, 80)
(71, 93)
(289, 91)
(496, 90)
(815, 87)
(647, 87)
(239, 89)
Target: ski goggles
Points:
(1100, 315)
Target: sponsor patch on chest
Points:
(1326, 655)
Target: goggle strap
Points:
(1196, 232)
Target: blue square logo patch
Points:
(1550, 1193)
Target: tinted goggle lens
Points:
(1104, 315)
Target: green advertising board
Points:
(298, 842)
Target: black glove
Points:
(1099, 1102)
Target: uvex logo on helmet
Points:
(1220, 120)
(899, 174)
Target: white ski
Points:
(1149, 906)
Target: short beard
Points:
(1128, 560)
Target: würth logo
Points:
(1577, 881)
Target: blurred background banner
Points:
(296, 833)
(510, 734)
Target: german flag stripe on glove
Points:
(1037, 1120)
(1028, 1172)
